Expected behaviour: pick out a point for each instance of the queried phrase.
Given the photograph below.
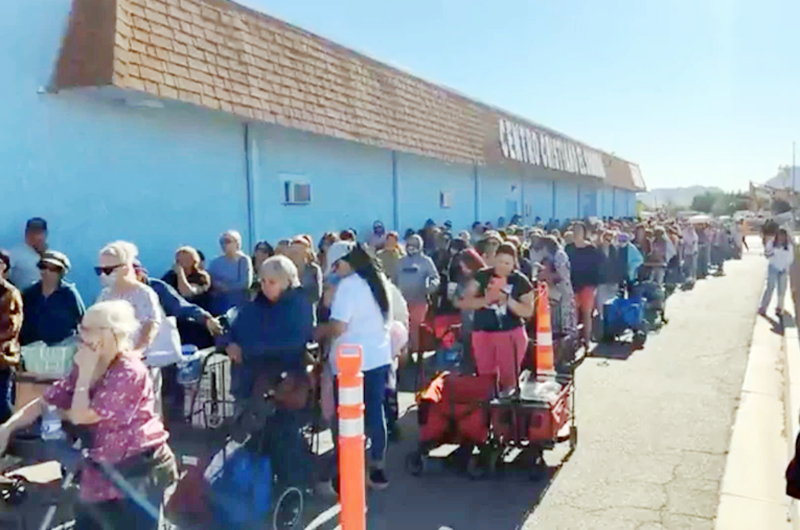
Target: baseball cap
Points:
(36, 224)
(59, 259)
(336, 252)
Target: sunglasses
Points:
(51, 268)
(106, 270)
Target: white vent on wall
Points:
(446, 199)
(296, 192)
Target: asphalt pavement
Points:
(654, 429)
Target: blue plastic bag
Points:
(623, 313)
(241, 491)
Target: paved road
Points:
(654, 431)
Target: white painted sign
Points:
(538, 148)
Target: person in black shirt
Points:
(586, 265)
(502, 298)
(188, 277)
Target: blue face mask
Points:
(332, 279)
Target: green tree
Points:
(705, 202)
(720, 203)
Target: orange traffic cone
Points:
(545, 362)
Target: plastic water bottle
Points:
(51, 424)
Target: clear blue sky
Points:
(695, 91)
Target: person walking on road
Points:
(780, 253)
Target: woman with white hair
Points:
(231, 274)
(267, 345)
(110, 394)
(117, 273)
(272, 330)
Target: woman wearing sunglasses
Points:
(118, 276)
(53, 308)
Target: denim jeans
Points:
(775, 278)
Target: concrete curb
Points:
(791, 344)
(752, 494)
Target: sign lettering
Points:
(538, 148)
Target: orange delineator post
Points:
(352, 475)
(545, 362)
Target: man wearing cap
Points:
(25, 258)
(53, 307)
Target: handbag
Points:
(166, 347)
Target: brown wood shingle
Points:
(222, 56)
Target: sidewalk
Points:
(762, 442)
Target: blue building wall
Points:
(422, 180)
(99, 170)
(501, 193)
(566, 200)
(351, 184)
(607, 209)
(539, 196)
(624, 203)
(588, 200)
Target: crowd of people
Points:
(264, 309)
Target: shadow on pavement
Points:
(615, 351)
(776, 325)
(444, 495)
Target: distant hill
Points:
(677, 196)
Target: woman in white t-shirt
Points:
(780, 253)
(361, 314)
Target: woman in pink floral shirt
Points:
(109, 391)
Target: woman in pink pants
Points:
(502, 298)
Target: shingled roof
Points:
(223, 56)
